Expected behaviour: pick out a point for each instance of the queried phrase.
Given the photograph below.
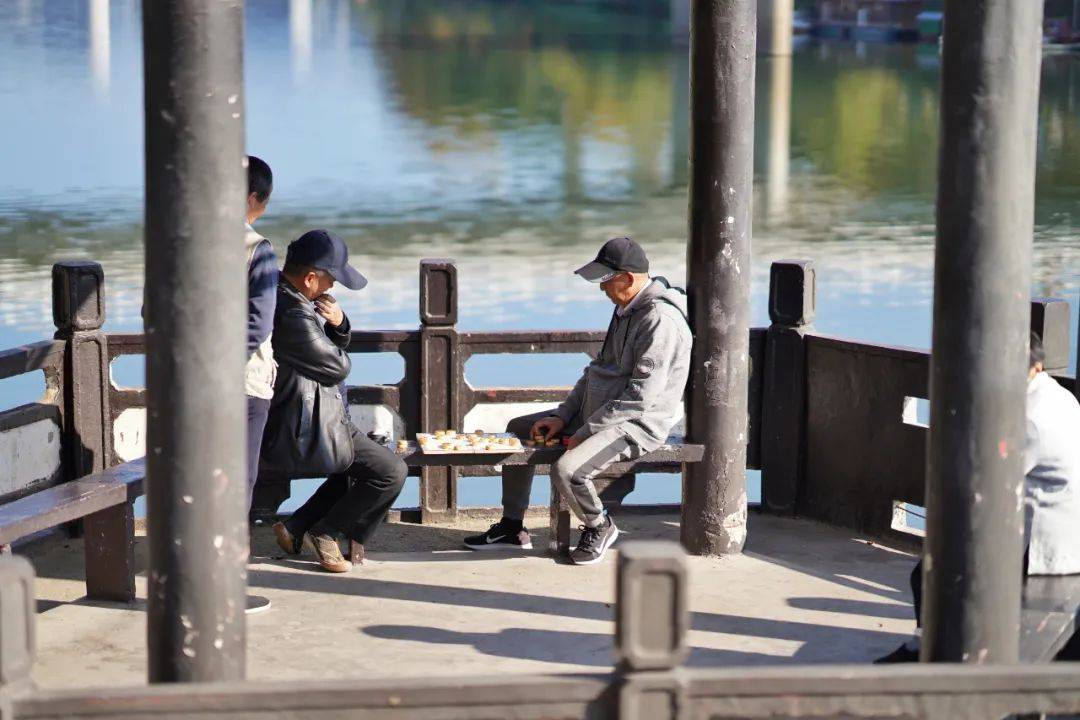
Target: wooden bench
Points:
(104, 502)
(613, 485)
(1048, 616)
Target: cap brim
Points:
(349, 277)
(596, 272)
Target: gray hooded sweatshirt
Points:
(638, 380)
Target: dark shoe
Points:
(501, 536)
(286, 540)
(594, 542)
(328, 553)
(902, 654)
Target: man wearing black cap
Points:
(309, 433)
(624, 405)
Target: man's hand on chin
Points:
(328, 307)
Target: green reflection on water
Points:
(507, 134)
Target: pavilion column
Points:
(722, 57)
(982, 281)
(195, 314)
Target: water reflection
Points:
(772, 132)
(99, 44)
(513, 136)
(300, 38)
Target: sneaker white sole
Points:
(499, 546)
(603, 550)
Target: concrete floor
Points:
(802, 593)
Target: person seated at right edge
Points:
(1051, 489)
(624, 405)
(309, 432)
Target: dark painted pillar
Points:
(196, 311)
(78, 295)
(792, 297)
(722, 54)
(439, 389)
(978, 370)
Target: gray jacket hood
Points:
(661, 291)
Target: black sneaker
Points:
(902, 654)
(594, 542)
(501, 536)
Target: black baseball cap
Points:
(618, 255)
(323, 250)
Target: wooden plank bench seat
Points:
(613, 485)
(1048, 616)
(104, 502)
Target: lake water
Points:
(514, 137)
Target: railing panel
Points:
(403, 399)
(524, 698)
(44, 355)
(31, 441)
(860, 455)
(916, 691)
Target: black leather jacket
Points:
(308, 432)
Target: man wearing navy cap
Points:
(309, 432)
(624, 405)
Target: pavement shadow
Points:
(865, 608)
(554, 646)
(820, 643)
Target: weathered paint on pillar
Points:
(722, 62)
(982, 279)
(775, 22)
(196, 312)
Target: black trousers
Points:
(916, 588)
(257, 410)
(352, 504)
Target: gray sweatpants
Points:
(572, 474)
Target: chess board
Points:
(468, 443)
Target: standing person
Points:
(624, 405)
(262, 300)
(309, 432)
(1051, 490)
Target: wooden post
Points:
(439, 375)
(651, 622)
(978, 369)
(792, 287)
(78, 290)
(109, 535)
(722, 58)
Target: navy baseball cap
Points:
(618, 255)
(323, 250)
